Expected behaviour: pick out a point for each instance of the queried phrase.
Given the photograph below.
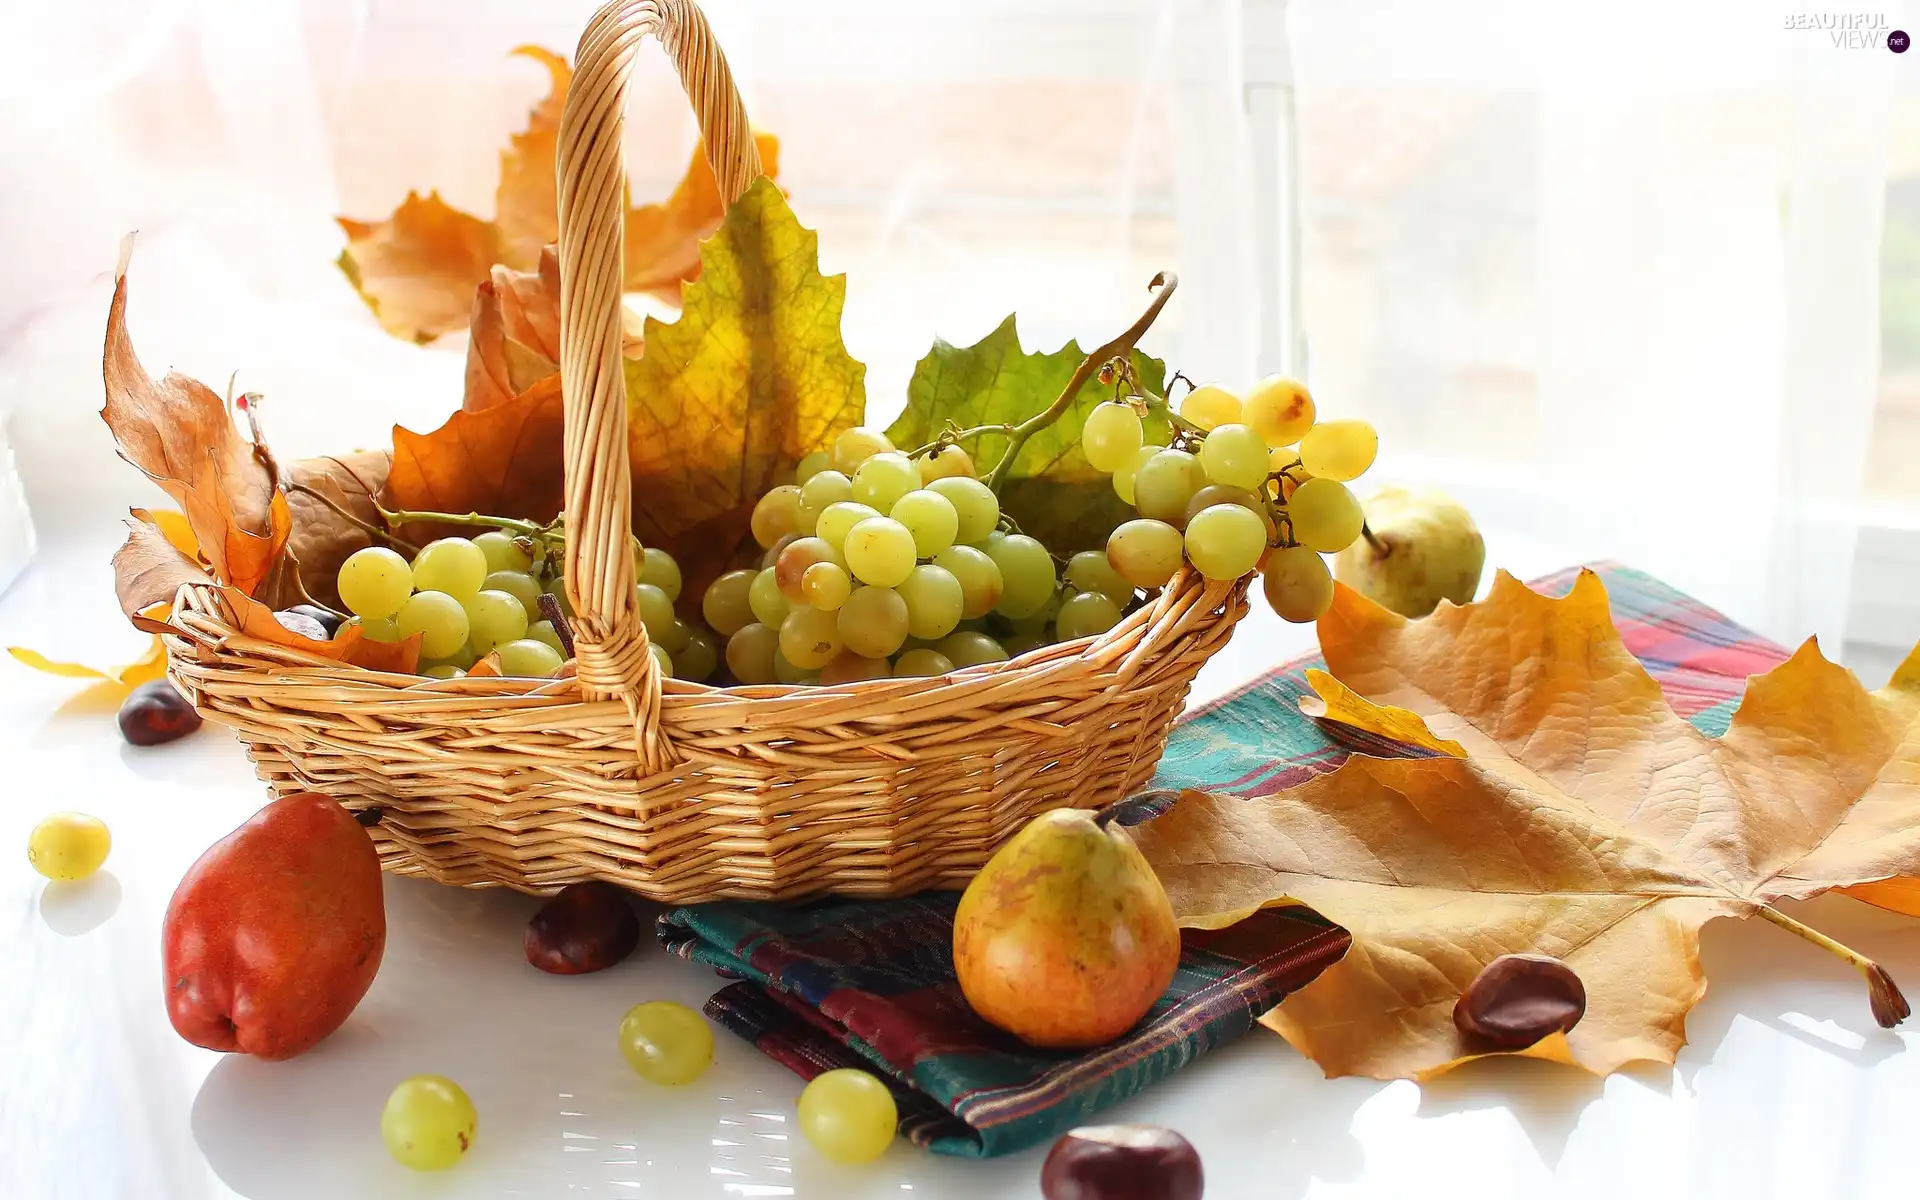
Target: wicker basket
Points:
(680, 791)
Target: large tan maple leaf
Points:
(1584, 819)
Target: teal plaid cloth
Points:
(870, 984)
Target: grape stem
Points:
(1162, 286)
(366, 527)
(409, 517)
(550, 609)
(952, 435)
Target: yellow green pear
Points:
(1065, 938)
(1423, 548)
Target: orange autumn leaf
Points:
(514, 339)
(419, 268)
(505, 460)
(180, 434)
(1586, 821)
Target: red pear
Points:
(274, 935)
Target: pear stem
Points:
(1373, 539)
(1889, 1006)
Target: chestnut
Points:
(1517, 999)
(585, 927)
(1122, 1162)
(154, 713)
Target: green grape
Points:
(1124, 476)
(930, 518)
(883, 479)
(790, 569)
(1026, 570)
(503, 553)
(1297, 583)
(934, 601)
(1111, 436)
(519, 585)
(386, 629)
(675, 639)
(1145, 552)
(969, 648)
(375, 582)
(763, 596)
(428, 1123)
(68, 845)
(1038, 620)
(444, 671)
(1325, 515)
(656, 613)
(921, 663)
(810, 638)
(661, 659)
(726, 605)
(945, 463)
(979, 577)
(750, 653)
(848, 1115)
(1164, 484)
(838, 520)
(492, 620)
(880, 551)
(666, 1043)
(452, 565)
(873, 621)
(1226, 541)
(773, 552)
(785, 672)
(439, 620)
(825, 586)
(826, 488)
(528, 659)
(542, 631)
(974, 503)
(1339, 450)
(464, 657)
(1235, 456)
(811, 465)
(1085, 615)
(1090, 571)
(1219, 493)
(852, 668)
(856, 446)
(1279, 409)
(776, 514)
(1210, 406)
(697, 659)
(658, 568)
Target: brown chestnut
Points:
(329, 621)
(1517, 999)
(154, 713)
(304, 624)
(585, 927)
(1122, 1162)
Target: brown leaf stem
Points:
(1889, 1005)
(1162, 285)
(367, 527)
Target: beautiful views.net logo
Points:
(1852, 31)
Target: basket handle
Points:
(610, 641)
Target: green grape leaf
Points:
(752, 376)
(1052, 491)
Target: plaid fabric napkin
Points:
(870, 984)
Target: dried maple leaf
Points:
(180, 434)
(751, 377)
(417, 270)
(514, 339)
(1051, 490)
(1588, 821)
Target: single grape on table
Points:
(68, 845)
(666, 1043)
(429, 1123)
(848, 1116)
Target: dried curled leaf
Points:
(180, 434)
(1335, 702)
(323, 533)
(418, 269)
(1052, 491)
(515, 336)
(1588, 822)
(751, 377)
(149, 568)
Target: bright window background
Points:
(1638, 279)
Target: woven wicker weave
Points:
(680, 791)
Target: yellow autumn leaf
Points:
(1335, 701)
(1588, 821)
(751, 376)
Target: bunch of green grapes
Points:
(468, 597)
(1253, 482)
(877, 564)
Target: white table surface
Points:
(1787, 1089)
